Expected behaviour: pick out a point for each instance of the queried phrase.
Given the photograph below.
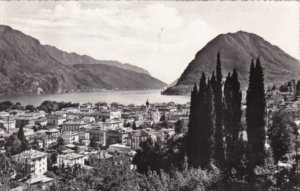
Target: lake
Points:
(137, 97)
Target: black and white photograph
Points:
(150, 95)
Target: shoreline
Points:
(121, 96)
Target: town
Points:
(47, 138)
(84, 134)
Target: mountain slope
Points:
(102, 74)
(73, 59)
(237, 50)
(27, 67)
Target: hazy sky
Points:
(162, 37)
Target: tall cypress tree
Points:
(201, 126)
(255, 115)
(24, 143)
(218, 104)
(237, 105)
(213, 82)
(201, 160)
(232, 117)
(261, 106)
(228, 115)
(191, 137)
(21, 134)
(209, 127)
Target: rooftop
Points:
(40, 178)
(53, 130)
(118, 145)
(70, 156)
(141, 133)
(75, 122)
(30, 154)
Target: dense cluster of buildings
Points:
(90, 132)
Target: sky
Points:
(162, 37)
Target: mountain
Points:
(74, 58)
(237, 50)
(27, 67)
(122, 78)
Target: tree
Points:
(14, 113)
(162, 118)
(13, 145)
(93, 142)
(283, 88)
(60, 141)
(35, 144)
(179, 126)
(200, 139)
(49, 106)
(200, 134)
(17, 106)
(157, 156)
(150, 156)
(218, 105)
(208, 129)
(201, 124)
(21, 135)
(114, 105)
(134, 127)
(49, 163)
(108, 176)
(191, 137)
(7, 169)
(30, 108)
(232, 118)
(5, 105)
(281, 135)
(46, 106)
(24, 143)
(175, 154)
(166, 124)
(255, 115)
(298, 88)
(126, 124)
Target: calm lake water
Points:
(137, 97)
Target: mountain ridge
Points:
(28, 67)
(237, 50)
(73, 58)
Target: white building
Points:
(88, 119)
(112, 124)
(118, 148)
(70, 159)
(51, 136)
(70, 137)
(34, 161)
(71, 126)
(110, 114)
